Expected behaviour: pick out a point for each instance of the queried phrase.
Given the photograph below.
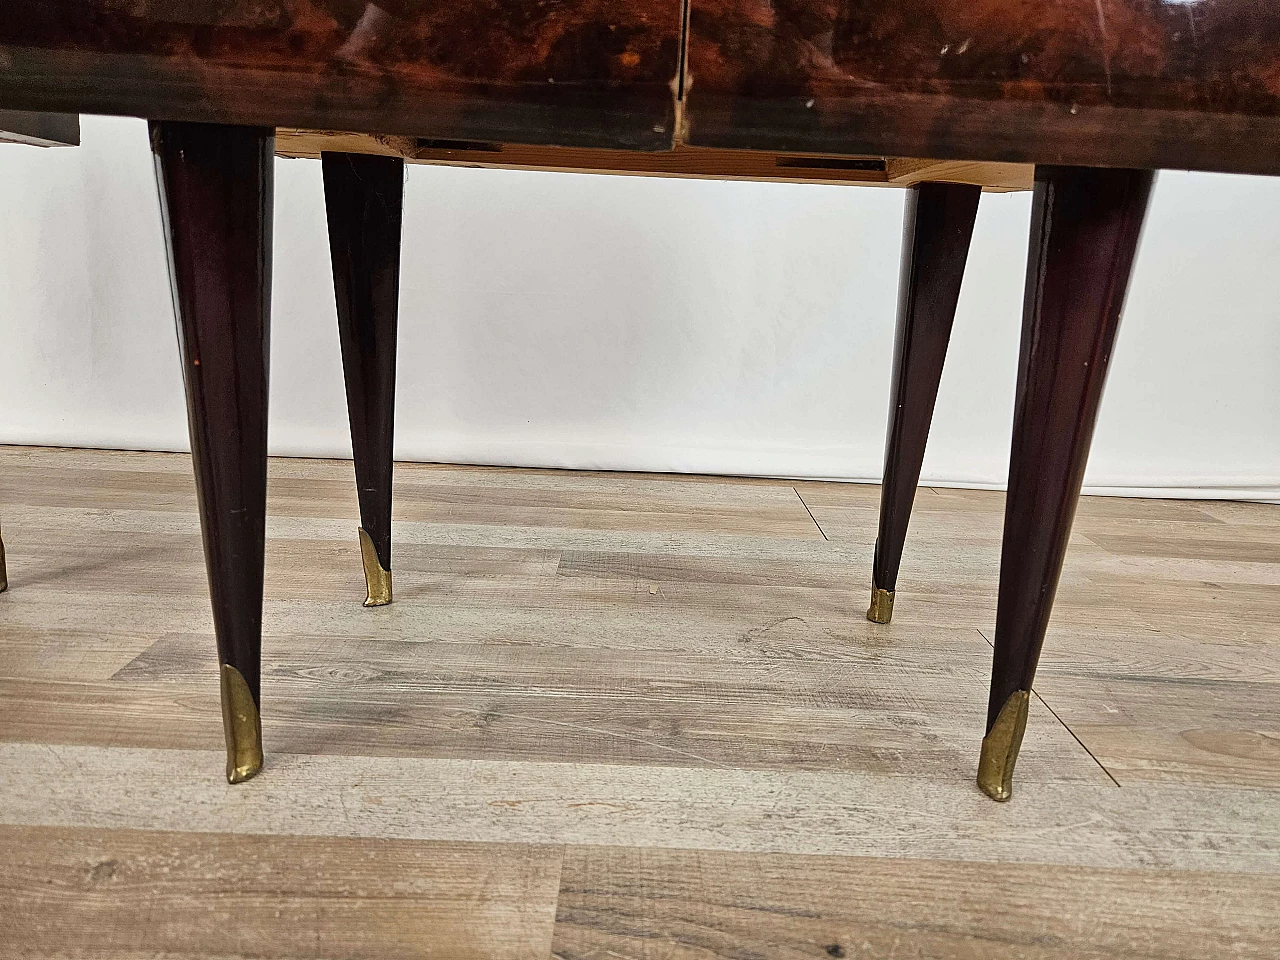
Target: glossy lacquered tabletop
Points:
(1190, 83)
(581, 72)
(1130, 82)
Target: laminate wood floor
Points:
(628, 716)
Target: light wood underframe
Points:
(682, 161)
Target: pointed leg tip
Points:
(1000, 747)
(241, 773)
(996, 791)
(242, 726)
(995, 772)
(881, 609)
(377, 578)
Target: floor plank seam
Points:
(811, 516)
(1083, 746)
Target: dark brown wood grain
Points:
(216, 195)
(572, 72)
(1133, 83)
(1085, 226)
(364, 203)
(1138, 83)
(937, 229)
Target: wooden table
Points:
(1081, 98)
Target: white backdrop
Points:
(642, 324)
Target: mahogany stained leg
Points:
(1085, 225)
(364, 198)
(215, 187)
(935, 244)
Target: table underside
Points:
(680, 161)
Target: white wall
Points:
(645, 324)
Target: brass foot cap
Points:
(377, 578)
(881, 610)
(239, 773)
(241, 725)
(1000, 747)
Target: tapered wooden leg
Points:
(935, 245)
(364, 198)
(215, 195)
(1085, 225)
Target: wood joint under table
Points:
(681, 161)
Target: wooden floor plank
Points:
(116, 894)
(700, 905)
(618, 502)
(674, 672)
(1171, 826)
(884, 712)
(1180, 729)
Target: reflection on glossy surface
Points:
(1127, 83)
(992, 79)
(592, 41)
(226, 59)
(1219, 54)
